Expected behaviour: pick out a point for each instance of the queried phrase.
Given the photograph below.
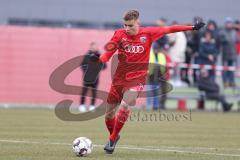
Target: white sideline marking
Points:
(177, 150)
(191, 148)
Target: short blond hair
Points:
(131, 15)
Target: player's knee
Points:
(124, 105)
(129, 98)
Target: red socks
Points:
(120, 120)
(110, 124)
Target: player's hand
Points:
(198, 25)
(94, 58)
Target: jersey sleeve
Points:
(158, 32)
(110, 47)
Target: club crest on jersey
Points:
(124, 39)
(143, 39)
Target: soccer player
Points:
(133, 44)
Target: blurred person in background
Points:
(208, 52)
(163, 42)
(178, 44)
(157, 76)
(212, 90)
(195, 46)
(159, 50)
(213, 29)
(189, 55)
(228, 46)
(91, 80)
(237, 26)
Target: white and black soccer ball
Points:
(82, 146)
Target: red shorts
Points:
(116, 92)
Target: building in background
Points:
(95, 13)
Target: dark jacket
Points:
(208, 86)
(205, 49)
(214, 32)
(91, 69)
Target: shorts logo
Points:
(134, 49)
(143, 39)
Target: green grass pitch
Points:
(37, 134)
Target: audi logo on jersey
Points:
(134, 49)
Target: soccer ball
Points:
(82, 146)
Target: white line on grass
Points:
(187, 148)
(179, 150)
(33, 142)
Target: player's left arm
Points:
(158, 32)
(175, 28)
(180, 28)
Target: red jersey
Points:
(133, 51)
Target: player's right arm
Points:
(111, 47)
